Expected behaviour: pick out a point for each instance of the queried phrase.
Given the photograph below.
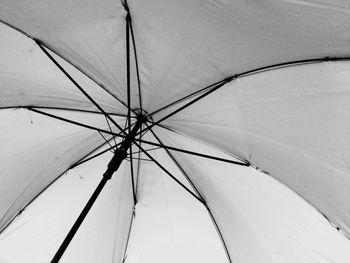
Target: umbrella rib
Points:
(138, 168)
(78, 86)
(199, 194)
(142, 159)
(127, 18)
(132, 176)
(136, 62)
(211, 90)
(186, 97)
(256, 71)
(130, 31)
(194, 153)
(74, 122)
(152, 149)
(177, 164)
(128, 237)
(219, 234)
(168, 173)
(244, 161)
(63, 109)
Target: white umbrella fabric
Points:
(197, 93)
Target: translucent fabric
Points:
(265, 83)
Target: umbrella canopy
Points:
(233, 117)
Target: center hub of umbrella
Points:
(142, 115)
(141, 112)
(121, 152)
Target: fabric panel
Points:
(261, 220)
(291, 123)
(40, 229)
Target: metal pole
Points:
(118, 157)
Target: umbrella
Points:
(192, 131)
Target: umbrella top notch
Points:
(142, 115)
(140, 112)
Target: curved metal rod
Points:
(252, 72)
(63, 109)
(200, 196)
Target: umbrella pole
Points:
(119, 155)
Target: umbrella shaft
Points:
(118, 157)
(79, 220)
